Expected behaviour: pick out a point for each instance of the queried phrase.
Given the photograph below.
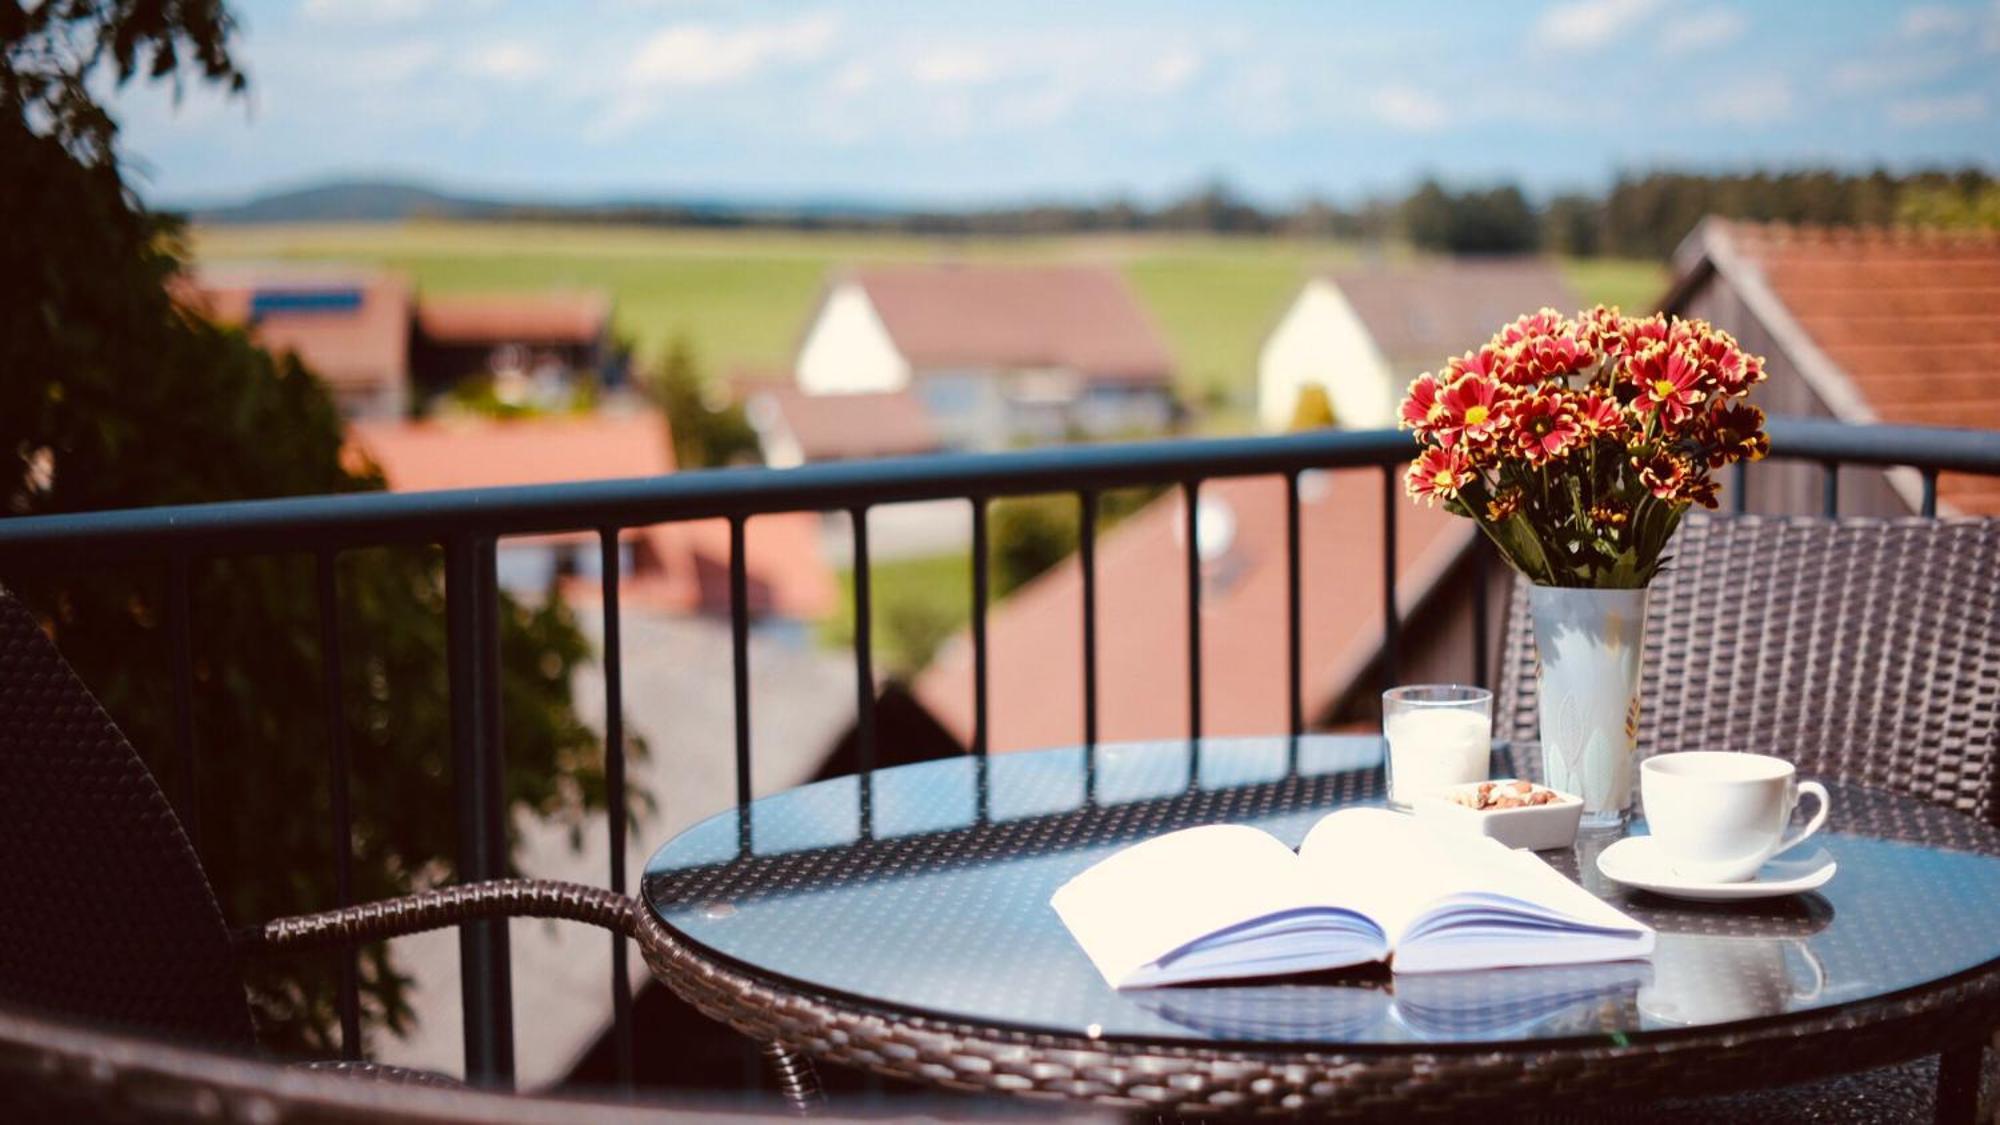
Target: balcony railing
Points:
(467, 524)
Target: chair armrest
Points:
(447, 906)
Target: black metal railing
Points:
(468, 524)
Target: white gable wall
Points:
(1321, 340)
(848, 349)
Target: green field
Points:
(742, 298)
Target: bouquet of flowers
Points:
(1577, 444)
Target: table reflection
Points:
(926, 887)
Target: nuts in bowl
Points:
(1519, 814)
(1503, 795)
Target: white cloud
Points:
(508, 62)
(1703, 30)
(1894, 71)
(705, 55)
(1759, 100)
(1583, 25)
(1947, 110)
(954, 66)
(1927, 20)
(1173, 70)
(854, 78)
(1407, 107)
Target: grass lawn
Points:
(742, 298)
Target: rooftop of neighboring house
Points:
(787, 570)
(350, 326)
(1081, 318)
(1035, 634)
(552, 318)
(834, 427)
(1897, 326)
(1419, 314)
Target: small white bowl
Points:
(1537, 827)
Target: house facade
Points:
(996, 355)
(1360, 335)
(352, 327)
(533, 346)
(1856, 326)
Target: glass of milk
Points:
(1439, 735)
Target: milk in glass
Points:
(1433, 748)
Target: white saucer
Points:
(1636, 861)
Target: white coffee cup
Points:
(1719, 815)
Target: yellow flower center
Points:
(1475, 415)
(1443, 479)
(1662, 388)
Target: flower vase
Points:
(1587, 689)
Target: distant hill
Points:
(390, 201)
(348, 201)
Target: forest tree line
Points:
(1642, 215)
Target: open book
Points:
(1225, 901)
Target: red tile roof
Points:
(1034, 636)
(1420, 314)
(360, 349)
(1084, 318)
(788, 575)
(515, 318)
(837, 427)
(1911, 320)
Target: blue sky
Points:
(965, 103)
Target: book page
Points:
(1384, 864)
(1460, 901)
(1153, 898)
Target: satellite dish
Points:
(1214, 529)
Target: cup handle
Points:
(1813, 825)
(1818, 972)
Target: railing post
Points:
(472, 630)
(1294, 640)
(337, 773)
(981, 590)
(611, 575)
(1391, 494)
(864, 672)
(1086, 547)
(1191, 498)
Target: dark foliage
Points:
(707, 433)
(113, 396)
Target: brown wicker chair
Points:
(108, 923)
(1862, 649)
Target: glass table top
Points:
(925, 888)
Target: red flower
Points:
(1668, 382)
(1736, 433)
(1644, 332)
(1546, 322)
(1420, 405)
(1700, 488)
(1663, 474)
(1550, 357)
(1469, 411)
(1437, 473)
(1602, 329)
(1487, 361)
(1543, 426)
(1598, 416)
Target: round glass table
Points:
(900, 922)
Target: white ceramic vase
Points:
(1588, 694)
